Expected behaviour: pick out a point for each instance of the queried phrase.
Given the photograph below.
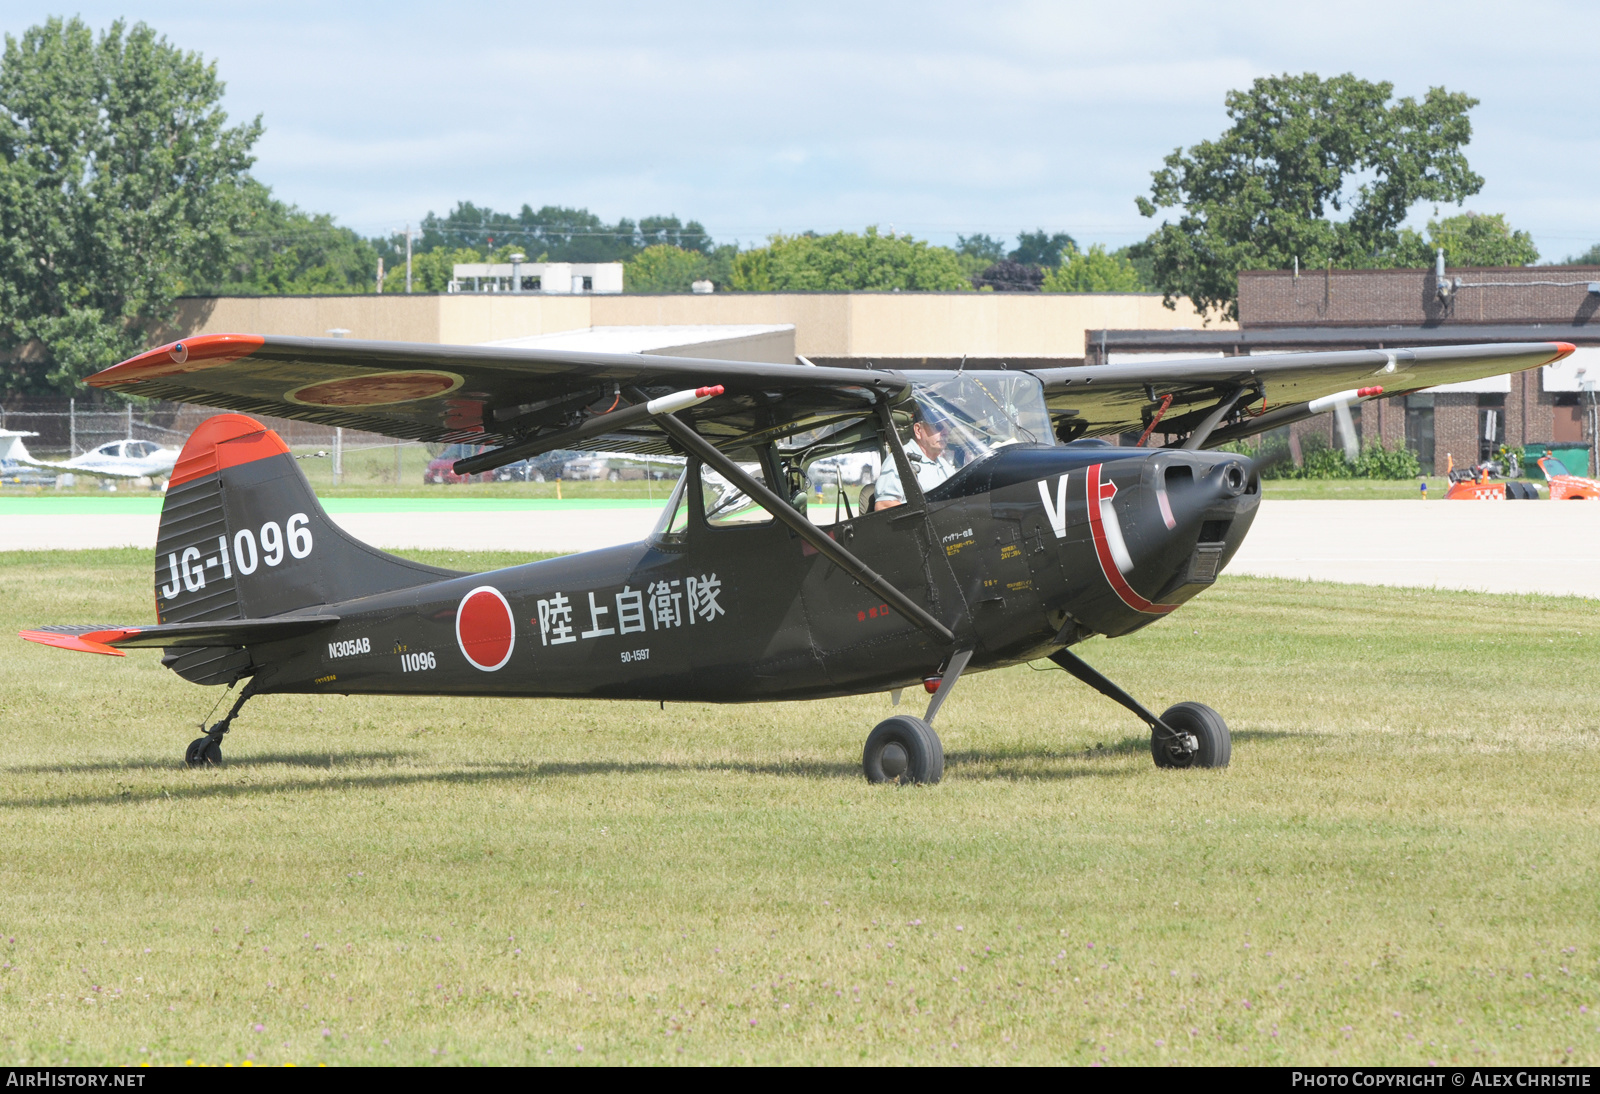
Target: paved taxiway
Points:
(1539, 547)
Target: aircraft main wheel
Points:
(903, 749)
(1214, 745)
(203, 752)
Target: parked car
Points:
(540, 468)
(855, 468)
(593, 467)
(441, 469)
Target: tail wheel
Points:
(1212, 744)
(903, 749)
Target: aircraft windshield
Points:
(984, 410)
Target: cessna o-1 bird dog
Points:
(1002, 529)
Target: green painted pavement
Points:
(38, 506)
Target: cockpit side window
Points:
(724, 504)
(834, 471)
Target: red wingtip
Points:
(1564, 349)
(80, 643)
(186, 355)
(707, 392)
(1367, 392)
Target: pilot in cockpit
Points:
(928, 458)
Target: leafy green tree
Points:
(281, 250)
(976, 253)
(1009, 276)
(1301, 148)
(981, 246)
(119, 179)
(559, 233)
(1094, 271)
(1043, 249)
(1591, 257)
(432, 271)
(1470, 239)
(752, 271)
(845, 262)
(664, 268)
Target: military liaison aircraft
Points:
(1018, 532)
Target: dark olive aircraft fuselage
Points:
(1034, 548)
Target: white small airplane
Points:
(129, 459)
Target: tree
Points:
(976, 253)
(844, 262)
(1094, 271)
(1591, 257)
(664, 268)
(1299, 148)
(559, 233)
(1009, 276)
(431, 271)
(119, 178)
(1470, 239)
(1043, 249)
(982, 246)
(280, 249)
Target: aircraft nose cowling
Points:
(1163, 526)
(1203, 504)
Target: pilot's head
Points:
(930, 430)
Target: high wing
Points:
(1269, 390)
(491, 395)
(520, 398)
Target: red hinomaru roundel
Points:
(484, 628)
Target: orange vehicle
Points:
(1565, 486)
(1477, 485)
(1467, 485)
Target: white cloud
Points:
(937, 117)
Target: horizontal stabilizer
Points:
(99, 638)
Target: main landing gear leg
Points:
(905, 749)
(1186, 734)
(207, 751)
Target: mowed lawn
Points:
(1402, 864)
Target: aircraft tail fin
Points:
(12, 448)
(243, 536)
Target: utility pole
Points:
(380, 275)
(408, 258)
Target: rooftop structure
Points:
(548, 278)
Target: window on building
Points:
(1419, 429)
(1491, 424)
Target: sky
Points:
(932, 118)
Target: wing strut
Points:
(1203, 431)
(825, 544)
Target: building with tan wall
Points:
(836, 327)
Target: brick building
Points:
(1286, 310)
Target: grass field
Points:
(1402, 864)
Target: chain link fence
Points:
(67, 427)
